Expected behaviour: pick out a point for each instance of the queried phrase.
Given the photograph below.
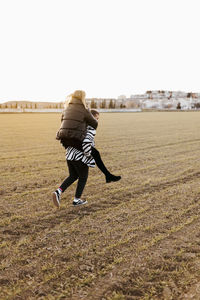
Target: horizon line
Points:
(116, 98)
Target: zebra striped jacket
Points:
(85, 156)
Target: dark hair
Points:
(94, 112)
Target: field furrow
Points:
(135, 239)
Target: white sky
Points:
(49, 48)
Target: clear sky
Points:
(49, 48)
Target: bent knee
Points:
(95, 152)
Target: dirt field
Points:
(135, 239)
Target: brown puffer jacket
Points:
(74, 123)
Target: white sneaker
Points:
(79, 202)
(56, 199)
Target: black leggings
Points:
(97, 157)
(77, 170)
(95, 153)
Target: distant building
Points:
(122, 97)
(156, 99)
(132, 103)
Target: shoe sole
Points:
(108, 181)
(55, 201)
(80, 204)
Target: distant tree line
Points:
(103, 104)
(32, 106)
(196, 105)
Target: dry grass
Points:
(136, 239)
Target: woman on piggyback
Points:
(76, 134)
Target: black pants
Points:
(77, 170)
(95, 153)
(97, 157)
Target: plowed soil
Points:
(137, 238)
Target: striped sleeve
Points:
(88, 141)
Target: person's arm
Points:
(90, 120)
(57, 133)
(88, 142)
(62, 116)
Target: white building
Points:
(122, 97)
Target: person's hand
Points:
(57, 135)
(87, 154)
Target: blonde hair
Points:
(78, 94)
(67, 101)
